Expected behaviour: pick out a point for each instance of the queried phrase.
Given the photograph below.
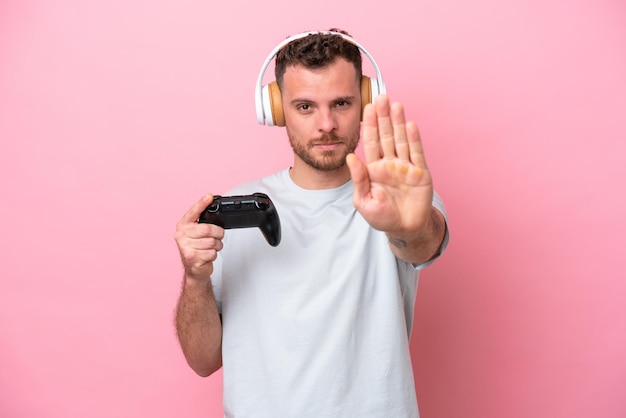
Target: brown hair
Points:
(317, 51)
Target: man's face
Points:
(322, 113)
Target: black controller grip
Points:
(244, 211)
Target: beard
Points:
(327, 160)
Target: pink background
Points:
(116, 116)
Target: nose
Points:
(326, 121)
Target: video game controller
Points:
(245, 211)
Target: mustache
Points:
(328, 138)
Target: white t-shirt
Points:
(318, 326)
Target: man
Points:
(318, 326)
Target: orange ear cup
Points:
(276, 99)
(276, 102)
(366, 93)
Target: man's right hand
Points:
(198, 243)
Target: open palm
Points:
(393, 189)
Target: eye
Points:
(304, 107)
(342, 103)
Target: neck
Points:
(309, 178)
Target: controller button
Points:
(262, 203)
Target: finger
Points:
(360, 177)
(415, 145)
(209, 243)
(207, 257)
(199, 251)
(399, 131)
(200, 231)
(371, 142)
(194, 212)
(385, 127)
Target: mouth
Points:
(327, 146)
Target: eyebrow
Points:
(335, 100)
(345, 99)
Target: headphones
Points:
(268, 99)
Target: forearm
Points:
(420, 247)
(199, 327)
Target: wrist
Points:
(419, 245)
(195, 281)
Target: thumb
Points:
(360, 177)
